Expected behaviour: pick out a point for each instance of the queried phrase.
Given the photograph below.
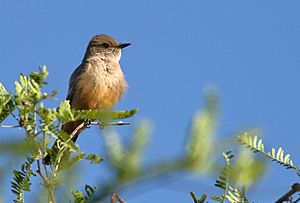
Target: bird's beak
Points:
(121, 46)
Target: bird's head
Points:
(106, 47)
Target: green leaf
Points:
(68, 163)
(2, 91)
(194, 197)
(39, 77)
(80, 197)
(232, 198)
(273, 153)
(21, 181)
(200, 139)
(64, 112)
(279, 153)
(93, 158)
(21, 86)
(216, 198)
(6, 103)
(201, 200)
(278, 156)
(287, 158)
(115, 148)
(255, 142)
(102, 114)
(15, 147)
(89, 190)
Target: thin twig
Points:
(10, 126)
(39, 171)
(82, 125)
(297, 200)
(103, 124)
(13, 115)
(116, 198)
(295, 188)
(46, 171)
(117, 123)
(86, 124)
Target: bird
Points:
(97, 83)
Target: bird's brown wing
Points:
(70, 126)
(75, 77)
(73, 81)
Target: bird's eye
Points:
(105, 45)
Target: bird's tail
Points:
(68, 128)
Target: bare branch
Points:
(286, 197)
(39, 171)
(116, 198)
(10, 126)
(78, 128)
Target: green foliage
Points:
(21, 181)
(223, 181)
(66, 114)
(80, 197)
(93, 158)
(15, 147)
(201, 143)
(256, 146)
(40, 77)
(126, 159)
(103, 115)
(41, 124)
(201, 200)
(233, 195)
(247, 170)
(66, 164)
(6, 104)
(230, 193)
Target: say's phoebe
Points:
(97, 83)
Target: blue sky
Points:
(248, 50)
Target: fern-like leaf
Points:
(196, 200)
(231, 194)
(66, 114)
(127, 159)
(39, 77)
(80, 197)
(256, 145)
(201, 135)
(21, 181)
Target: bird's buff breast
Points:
(100, 86)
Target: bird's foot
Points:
(87, 123)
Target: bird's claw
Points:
(87, 123)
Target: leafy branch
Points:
(230, 193)
(256, 146)
(21, 181)
(42, 125)
(80, 197)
